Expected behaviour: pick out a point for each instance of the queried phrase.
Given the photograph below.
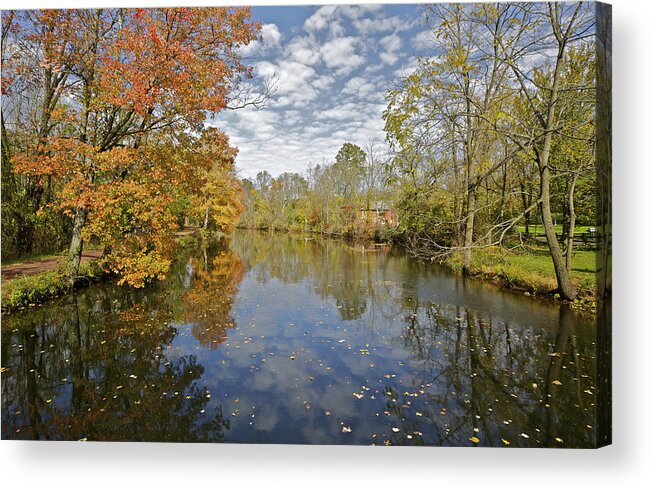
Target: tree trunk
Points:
(571, 224)
(76, 243)
(565, 287)
(470, 227)
(471, 184)
(205, 219)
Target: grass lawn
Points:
(558, 229)
(531, 271)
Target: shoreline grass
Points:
(30, 290)
(530, 271)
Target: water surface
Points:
(273, 339)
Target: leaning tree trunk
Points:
(571, 224)
(565, 287)
(76, 243)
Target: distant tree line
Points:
(326, 199)
(490, 134)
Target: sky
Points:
(333, 65)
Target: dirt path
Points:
(35, 266)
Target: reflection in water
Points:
(208, 300)
(275, 339)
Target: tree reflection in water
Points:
(101, 367)
(270, 338)
(209, 299)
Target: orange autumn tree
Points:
(219, 201)
(126, 81)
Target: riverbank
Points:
(44, 279)
(30, 290)
(530, 271)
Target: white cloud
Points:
(329, 15)
(331, 75)
(266, 69)
(271, 35)
(422, 40)
(359, 86)
(323, 82)
(388, 58)
(391, 43)
(270, 38)
(339, 53)
(293, 76)
(369, 26)
(408, 68)
(319, 20)
(304, 50)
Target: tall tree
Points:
(127, 76)
(553, 27)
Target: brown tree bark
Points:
(76, 243)
(571, 224)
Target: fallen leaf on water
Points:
(345, 429)
(558, 439)
(556, 382)
(524, 435)
(506, 443)
(474, 439)
(327, 412)
(395, 429)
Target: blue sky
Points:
(333, 65)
